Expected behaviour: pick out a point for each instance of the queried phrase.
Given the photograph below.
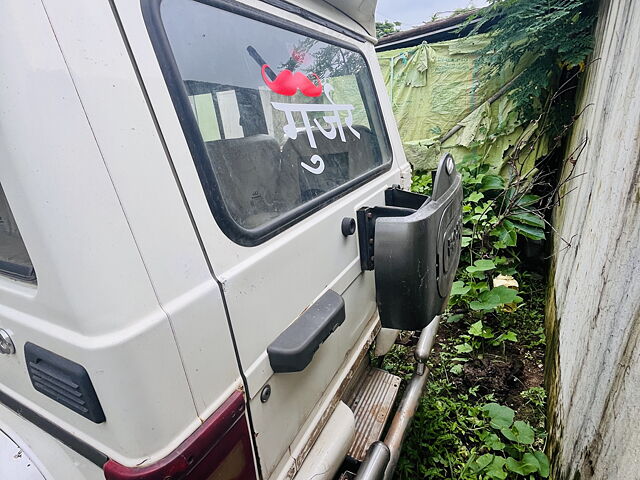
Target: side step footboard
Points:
(382, 457)
(371, 403)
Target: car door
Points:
(275, 129)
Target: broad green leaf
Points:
(493, 442)
(479, 330)
(459, 288)
(506, 234)
(501, 260)
(492, 182)
(481, 210)
(527, 218)
(455, 318)
(466, 241)
(481, 462)
(464, 348)
(485, 460)
(521, 468)
(525, 433)
(456, 369)
(478, 305)
(501, 416)
(510, 336)
(474, 181)
(505, 294)
(495, 470)
(528, 231)
(527, 200)
(508, 434)
(494, 298)
(487, 333)
(476, 329)
(528, 464)
(520, 432)
(475, 197)
(481, 266)
(513, 465)
(544, 464)
(505, 337)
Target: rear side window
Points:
(285, 122)
(14, 259)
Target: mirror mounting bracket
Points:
(367, 217)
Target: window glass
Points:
(285, 118)
(14, 259)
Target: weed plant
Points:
(464, 427)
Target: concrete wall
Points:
(594, 295)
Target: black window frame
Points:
(177, 91)
(17, 271)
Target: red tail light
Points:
(219, 449)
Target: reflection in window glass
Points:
(14, 259)
(285, 117)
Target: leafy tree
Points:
(386, 28)
(559, 32)
(328, 60)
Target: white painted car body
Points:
(132, 267)
(15, 461)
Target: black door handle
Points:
(294, 348)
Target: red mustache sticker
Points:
(288, 83)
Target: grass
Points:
(453, 435)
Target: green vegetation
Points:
(483, 413)
(558, 32)
(496, 213)
(386, 28)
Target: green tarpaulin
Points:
(435, 88)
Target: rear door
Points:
(280, 137)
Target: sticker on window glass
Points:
(288, 83)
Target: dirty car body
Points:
(205, 231)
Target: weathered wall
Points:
(594, 296)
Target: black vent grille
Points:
(64, 381)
